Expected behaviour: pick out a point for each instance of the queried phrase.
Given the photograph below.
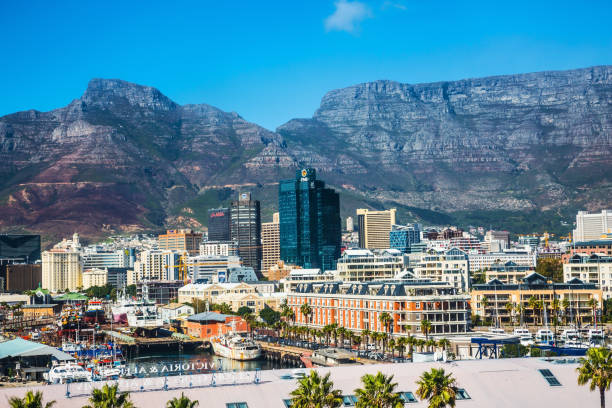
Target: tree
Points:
(130, 290)
(534, 305)
(431, 344)
(306, 310)
(109, 397)
(593, 303)
(509, 309)
(550, 268)
(378, 391)
(485, 304)
(444, 343)
(243, 311)
(596, 368)
(314, 391)
(30, 400)
(269, 315)
(385, 318)
(182, 402)
(437, 387)
(426, 327)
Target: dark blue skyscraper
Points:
(310, 226)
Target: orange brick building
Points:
(210, 324)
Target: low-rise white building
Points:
(521, 257)
(172, 311)
(363, 265)
(452, 266)
(94, 277)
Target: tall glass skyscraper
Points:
(310, 225)
(219, 224)
(245, 230)
(403, 237)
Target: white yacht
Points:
(545, 337)
(596, 335)
(67, 372)
(496, 330)
(236, 347)
(570, 335)
(525, 336)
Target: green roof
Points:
(71, 296)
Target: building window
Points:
(236, 405)
(349, 400)
(407, 397)
(462, 394)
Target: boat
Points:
(236, 347)
(570, 335)
(524, 335)
(545, 337)
(67, 372)
(94, 313)
(496, 330)
(595, 335)
(144, 315)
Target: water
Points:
(162, 364)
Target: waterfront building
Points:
(254, 301)
(245, 230)
(310, 230)
(508, 272)
(483, 262)
(173, 311)
(594, 268)
(206, 268)
(297, 276)
(95, 257)
(212, 292)
(36, 311)
(61, 270)
(374, 227)
(211, 324)
(600, 246)
(94, 277)
(363, 265)
(20, 277)
(591, 227)
(402, 237)
(270, 239)
(19, 248)
(452, 266)
(499, 295)
(180, 240)
(358, 306)
(216, 248)
(219, 224)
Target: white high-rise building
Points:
(206, 268)
(350, 224)
(150, 266)
(270, 240)
(591, 227)
(61, 269)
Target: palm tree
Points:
(444, 343)
(31, 400)
(533, 304)
(306, 310)
(426, 327)
(596, 368)
(401, 344)
(420, 343)
(109, 397)
(366, 335)
(385, 318)
(431, 344)
(315, 391)
(509, 309)
(411, 341)
(378, 392)
(565, 304)
(391, 344)
(182, 402)
(437, 387)
(593, 303)
(485, 304)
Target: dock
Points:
(291, 353)
(132, 344)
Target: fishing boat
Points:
(236, 347)
(94, 312)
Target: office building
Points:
(245, 230)
(358, 306)
(594, 268)
(157, 265)
(450, 266)
(575, 294)
(219, 224)
(279, 271)
(270, 238)
(363, 265)
(502, 237)
(219, 248)
(173, 264)
(530, 240)
(19, 248)
(210, 291)
(374, 228)
(160, 292)
(402, 237)
(181, 240)
(94, 277)
(310, 225)
(207, 268)
(117, 277)
(20, 277)
(591, 227)
(98, 258)
(61, 270)
(350, 226)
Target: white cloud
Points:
(347, 16)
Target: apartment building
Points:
(483, 262)
(219, 248)
(94, 277)
(62, 269)
(181, 240)
(358, 306)
(206, 268)
(149, 266)
(590, 268)
(592, 226)
(363, 265)
(600, 246)
(375, 227)
(270, 238)
(574, 294)
(452, 266)
(508, 273)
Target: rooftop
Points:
(208, 316)
(25, 348)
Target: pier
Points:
(133, 345)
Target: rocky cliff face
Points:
(126, 157)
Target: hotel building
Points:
(270, 238)
(181, 240)
(358, 306)
(362, 265)
(592, 226)
(452, 266)
(508, 273)
(482, 262)
(593, 268)
(61, 269)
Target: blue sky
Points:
(272, 61)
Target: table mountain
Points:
(125, 157)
